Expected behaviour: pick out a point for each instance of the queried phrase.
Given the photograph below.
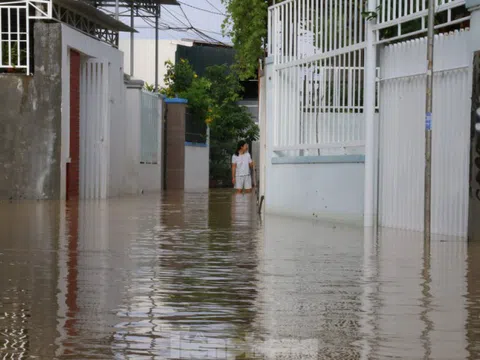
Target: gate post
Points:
(474, 185)
(369, 112)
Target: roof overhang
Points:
(97, 16)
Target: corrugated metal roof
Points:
(95, 15)
(137, 3)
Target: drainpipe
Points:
(369, 109)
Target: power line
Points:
(166, 27)
(180, 21)
(186, 17)
(204, 36)
(201, 9)
(213, 6)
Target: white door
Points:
(94, 128)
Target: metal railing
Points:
(318, 51)
(319, 106)
(195, 129)
(15, 27)
(407, 18)
(150, 117)
(312, 29)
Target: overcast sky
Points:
(204, 15)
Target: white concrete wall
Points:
(144, 58)
(197, 167)
(72, 39)
(140, 177)
(314, 190)
(329, 191)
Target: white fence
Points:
(310, 29)
(94, 128)
(319, 105)
(15, 19)
(409, 17)
(402, 143)
(318, 52)
(149, 112)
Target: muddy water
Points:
(202, 276)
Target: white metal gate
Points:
(149, 128)
(94, 129)
(318, 53)
(402, 141)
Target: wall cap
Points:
(333, 159)
(176, 101)
(472, 5)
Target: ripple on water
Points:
(200, 276)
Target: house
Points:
(343, 115)
(65, 130)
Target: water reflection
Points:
(198, 275)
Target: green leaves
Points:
(214, 99)
(179, 78)
(246, 25)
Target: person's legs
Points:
(239, 183)
(248, 184)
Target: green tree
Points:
(178, 79)
(227, 87)
(230, 122)
(181, 81)
(214, 99)
(246, 24)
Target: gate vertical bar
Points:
(27, 40)
(428, 122)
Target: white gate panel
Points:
(94, 120)
(149, 123)
(402, 139)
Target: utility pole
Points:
(132, 40)
(156, 46)
(117, 17)
(428, 123)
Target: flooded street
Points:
(185, 276)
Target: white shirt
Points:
(243, 164)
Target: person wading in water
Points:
(241, 165)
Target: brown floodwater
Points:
(202, 276)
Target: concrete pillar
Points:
(175, 144)
(369, 111)
(268, 129)
(474, 7)
(263, 128)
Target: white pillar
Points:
(369, 111)
(263, 131)
(474, 7)
(370, 273)
(269, 128)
